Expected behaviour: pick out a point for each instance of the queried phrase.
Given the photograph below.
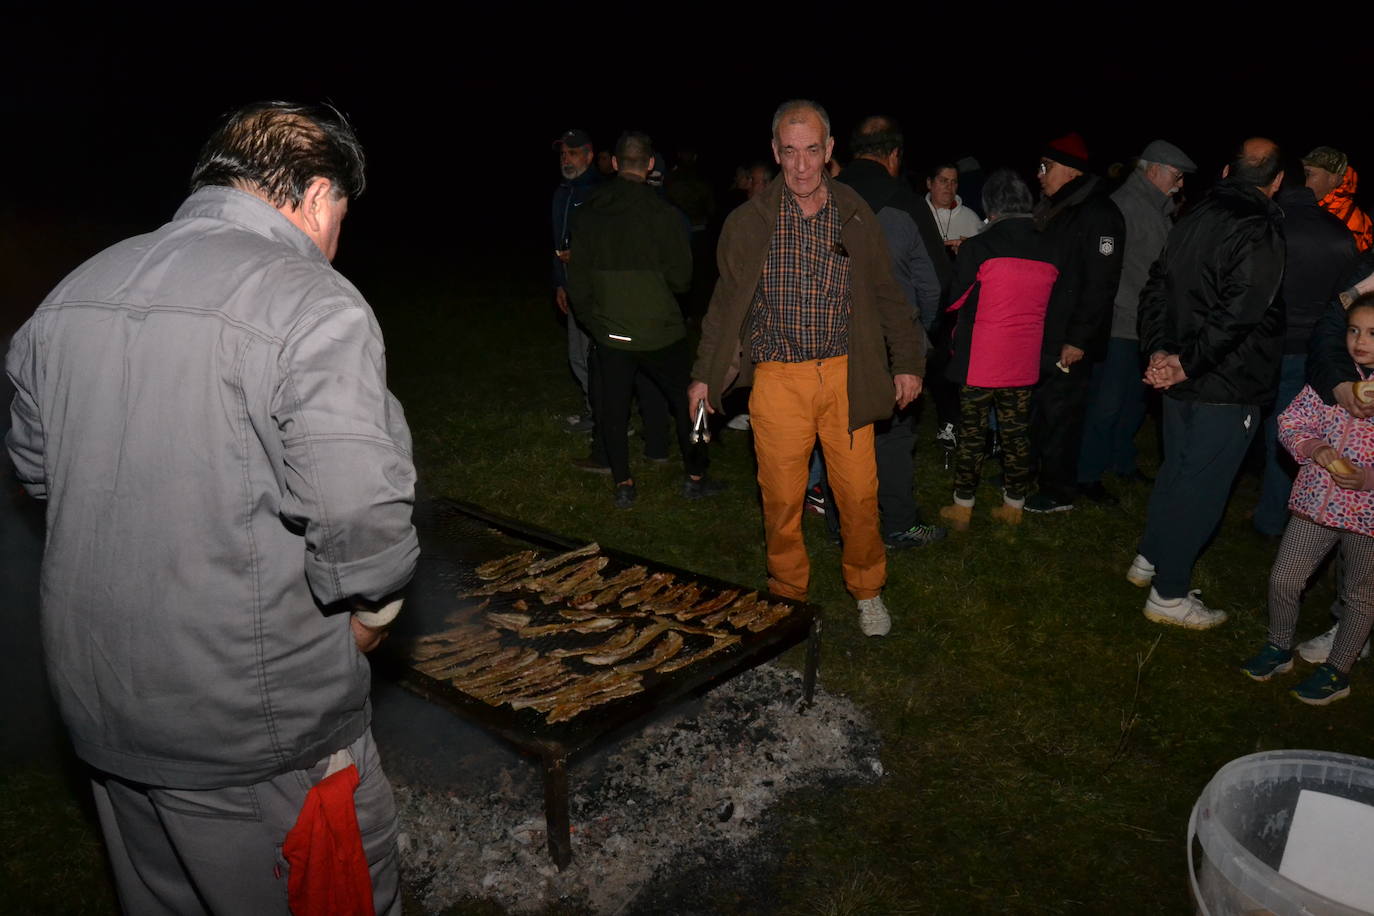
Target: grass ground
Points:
(1043, 742)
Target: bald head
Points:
(1259, 163)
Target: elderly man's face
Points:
(1165, 177)
(943, 187)
(573, 160)
(1054, 175)
(1320, 180)
(801, 149)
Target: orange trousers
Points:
(792, 404)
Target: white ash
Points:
(691, 789)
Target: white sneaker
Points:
(1316, 649)
(1188, 612)
(873, 617)
(738, 421)
(1141, 573)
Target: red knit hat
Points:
(1069, 150)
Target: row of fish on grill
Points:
(646, 619)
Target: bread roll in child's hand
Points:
(1364, 391)
(1341, 466)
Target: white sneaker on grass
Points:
(1141, 573)
(873, 617)
(738, 421)
(1316, 649)
(1188, 612)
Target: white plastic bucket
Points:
(1241, 823)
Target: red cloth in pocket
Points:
(329, 874)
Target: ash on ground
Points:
(689, 793)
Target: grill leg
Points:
(556, 809)
(813, 661)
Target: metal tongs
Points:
(700, 431)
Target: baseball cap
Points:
(574, 138)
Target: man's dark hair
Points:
(634, 150)
(1005, 194)
(1259, 171)
(878, 135)
(939, 167)
(277, 148)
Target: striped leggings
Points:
(1305, 544)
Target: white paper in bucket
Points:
(1328, 848)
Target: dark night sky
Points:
(105, 112)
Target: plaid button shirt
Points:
(801, 307)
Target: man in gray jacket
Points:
(1117, 406)
(229, 489)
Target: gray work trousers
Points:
(179, 851)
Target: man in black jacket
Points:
(630, 255)
(877, 148)
(1320, 251)
(1212, 324)
(1087, 235)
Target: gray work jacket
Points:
(205, 410)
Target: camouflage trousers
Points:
(1013, 407)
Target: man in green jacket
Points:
(630, 255)
(807, 310)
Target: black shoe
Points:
(1096, 493)
(915, 536)
(1136, 476)
(1043, 502)
(624, 495)
(701, 489)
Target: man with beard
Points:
(580, 180)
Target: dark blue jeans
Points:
(1204, 445)
(1116, 408)
(1271, 514)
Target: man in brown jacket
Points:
(807, 310)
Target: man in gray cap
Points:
(1117, 406)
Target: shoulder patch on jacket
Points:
(1106, 245)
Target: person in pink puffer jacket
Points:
(1332, 501)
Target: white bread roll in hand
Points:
(1364, 391)
(1341, 466)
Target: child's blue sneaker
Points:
(1270, 661)
(1326, 685)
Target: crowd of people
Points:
(1041, 325)
(229, 483)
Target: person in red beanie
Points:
(1086, 236)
